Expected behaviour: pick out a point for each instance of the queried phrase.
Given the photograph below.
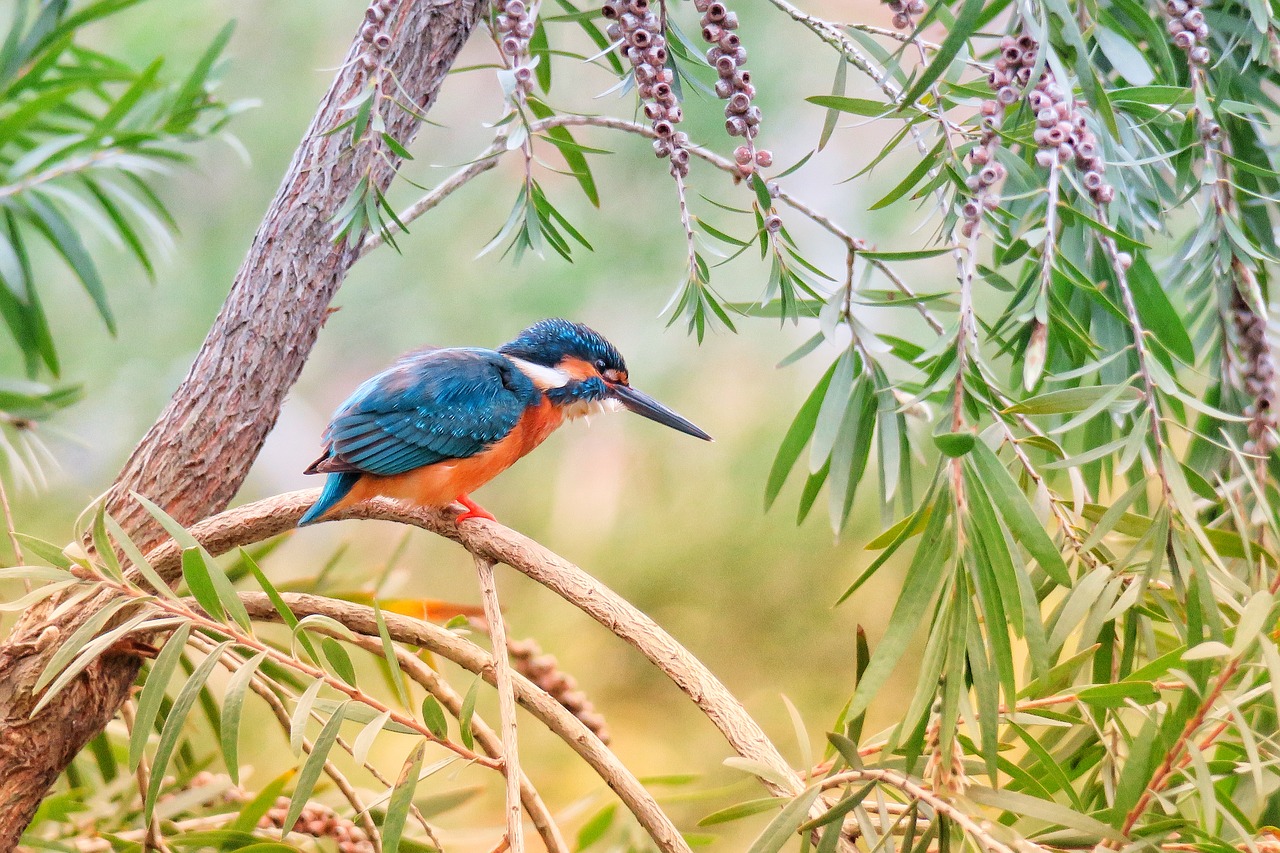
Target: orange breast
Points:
(440, 484)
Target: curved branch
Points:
(485, 736)
(488, 539)
(415, 632)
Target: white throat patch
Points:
(543, 377)
(587, 408)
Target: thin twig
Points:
(506, 700)
(153, 837)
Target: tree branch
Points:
(195, 457)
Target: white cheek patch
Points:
(587, 408)
(543, 377)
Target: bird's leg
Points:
(474, 510)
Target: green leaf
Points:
(433, 717)
(153, 691)
(965, 26)
(784, 826)
(1118, 695)
(738, 811)
(401, 800)
(856, 106)
(1045, 810)
(796, 438)
(338, 659)
(313, 766)
(1016, 512)
(465, 714)
(955, 444)
(232, 705)
(595, 827)
(174, 722)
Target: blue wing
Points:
(430, 407)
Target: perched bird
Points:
(440, 423)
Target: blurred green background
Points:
(676, 526)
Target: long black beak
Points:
(645, 406)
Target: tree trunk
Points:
(195, 457)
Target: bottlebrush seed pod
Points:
(1202, 32)
(662, 91)
(973, 182)
(680, 155)
(1086, 150)
(989, 174)
(1065, 153)
(1184, 40)
(724, 88)
(916, 7)
(675, 115)
(663, 128)
(730, 21)
(661, 148)
(735, 126)
(742, 154)
(742, 79)
(1047, 118)
(639, 7)
(511, 45)
(516, 8)
(524, 75)
(1105, 194)
(374, 15)
(711, 33)
(628, 21)
(901, 21)
(764, 158)
(680, 138)
(979, 156)
(386, 5)
(740, 56)
(729, 41)
(1175, 26)
(701, 5)
(738, 103)
(990, 201)
(716, 12)
(665, 75)
(656, 55)
(503, 23)
(1200, 55)
(614, 32)
(970, 210)
(1040, 135)
(725, 65)
(1001, 64)
(1176, 8)
(382, 41)
(968, 228)
(754, 116)
(524, 28)
(1007, 95)
(1092, 180)
(989, 108)
(1012, 55)
(641, 39)
(368, 31)
(1026, 43)
(773, 222)
(897, 6)
(1193, 19)
(653, 111)
(609, 10)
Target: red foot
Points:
(474, 510)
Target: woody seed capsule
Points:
(764, 158)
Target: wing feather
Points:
(430, 407)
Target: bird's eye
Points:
(600, 364)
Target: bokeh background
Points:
(676, 526)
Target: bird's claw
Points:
(474, 510)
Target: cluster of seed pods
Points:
(374, 33)
(905, 12)
(1258, 374)
(544, 671)
(1062, 133)
(638, 27)
(319, 821)
(514, 27)
(1189, 29)
(988, 172)
(728, 56)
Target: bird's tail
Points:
(335, 489)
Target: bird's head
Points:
(581, 372)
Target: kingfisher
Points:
(442, 422)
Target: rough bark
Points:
(195, 457)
